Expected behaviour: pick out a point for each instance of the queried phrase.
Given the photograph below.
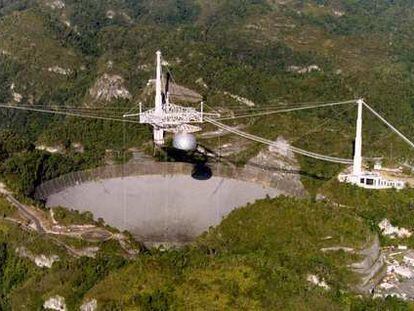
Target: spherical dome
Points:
(185, 141)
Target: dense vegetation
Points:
(233, 47)
(23, 168)
(260, 256)
(242, 47)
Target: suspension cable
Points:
(67, 113)
(286, 110)
(271, 143)
(389, 125)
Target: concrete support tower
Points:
(158, 132)
(357, 168)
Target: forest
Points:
(258, 258)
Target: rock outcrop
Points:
(16, 96)
(303, 70)
(55, 4)
(55, 303)
(90, 305)
(393, 232)
(317, 281)
(41, 261)
(60, 70)
(109, 87)
(241, 100)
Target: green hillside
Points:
(257, 259)
(59, 53)
(249, 48)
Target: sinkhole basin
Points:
(169, 209)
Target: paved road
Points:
(26, 212)
(96, 234)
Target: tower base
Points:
(159, 137)
(371, 180)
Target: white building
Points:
(371, 180)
